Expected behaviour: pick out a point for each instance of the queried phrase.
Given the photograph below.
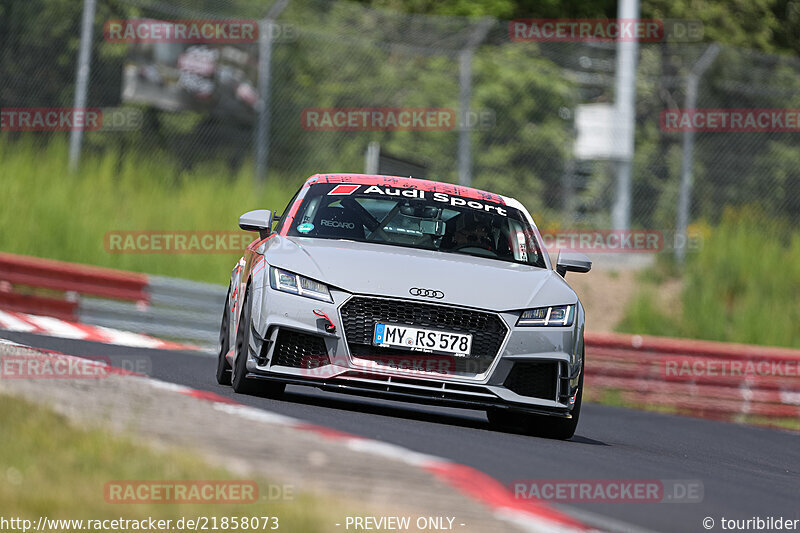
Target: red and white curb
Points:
(55, 327)
(531, 516)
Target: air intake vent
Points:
(298, 350)
(535, 380)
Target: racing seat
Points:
(338, 223)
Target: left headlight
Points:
(558, 315)
(284, 281)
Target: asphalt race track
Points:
(745, 472)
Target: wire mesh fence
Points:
(198, 103)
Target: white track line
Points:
(56, 327)
(127, 338)
(12, 323)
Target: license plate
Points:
(424, 340)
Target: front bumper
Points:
(534, 369)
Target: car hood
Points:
(384, 270)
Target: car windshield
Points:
(417, 219)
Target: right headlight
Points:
(557, 315)
(284, 281)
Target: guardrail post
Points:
(264, 81)
(464, 97)
(684, 198)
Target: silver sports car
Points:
(412, 290)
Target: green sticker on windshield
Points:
(305, 228)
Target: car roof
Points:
(414, 183)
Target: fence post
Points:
(684, 196)
(264, 80)
(464, 97)
(82, 79)
(372, 158)
(625, 102)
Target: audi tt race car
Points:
(407, 289)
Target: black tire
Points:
(223, 367)
(549, 427)
(559, 428)
(240, 382)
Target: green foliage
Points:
(749, 23)
(768, 25)
(644, 316)
(742, 286)
(62, 216)
(524, 154)
(346, 56)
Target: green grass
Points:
(49, 212)
(742, 286)
(644, 316)
(50, 468)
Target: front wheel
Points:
(240, 382)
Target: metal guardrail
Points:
(174, 323)
(698, 378)
(172, 308)
(176, 309)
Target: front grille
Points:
(299, 350)
(361, 313)
(536, 380)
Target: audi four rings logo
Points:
(426, 293)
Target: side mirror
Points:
(259, 220)
(572, 262)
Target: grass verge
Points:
(742, 286)
(52, 213)
(48, 468)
